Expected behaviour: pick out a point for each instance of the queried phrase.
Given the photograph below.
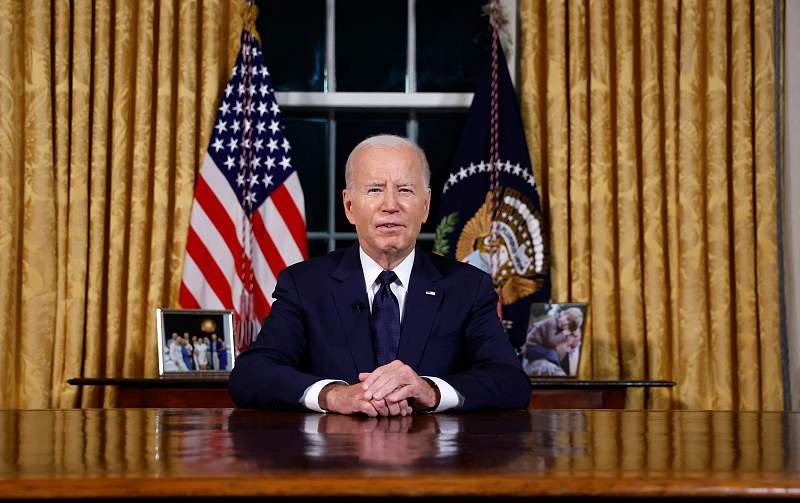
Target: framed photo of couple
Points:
(554, 340)
(194, 341)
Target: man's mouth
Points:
(389, 226)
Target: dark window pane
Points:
(308, 136)
(453, 41)
(317, 247)
(439, 134)
(351, 128)
(293, 39)
(371, 45)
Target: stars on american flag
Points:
(248, 142)
(465, 172)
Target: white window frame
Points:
(331, 101)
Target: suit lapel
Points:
(353, 308)
(422, 302)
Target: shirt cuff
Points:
(448, 396)
(310, 398)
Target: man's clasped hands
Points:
(394, 389)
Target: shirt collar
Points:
(372, 269)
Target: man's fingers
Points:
(401, 393)
(367, 408)
(363, 375)
(404, 423)
(372, 377)
(376, 382)
(424, 394)
(394, 409)
(350, 400)
(378, 372)
(385, 379)
(381, 407)
(383, 387)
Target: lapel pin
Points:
(430, 292)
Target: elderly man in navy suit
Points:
(382, 328)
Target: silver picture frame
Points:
(554, 340)
(195, 342)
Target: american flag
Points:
(248, 217)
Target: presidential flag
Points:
(248, 216)
(490, 215)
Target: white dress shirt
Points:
(449, 397)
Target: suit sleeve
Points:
(267, 374)
(494, 377)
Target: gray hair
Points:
(574, 317)
(387, 141)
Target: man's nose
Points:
(389, 200)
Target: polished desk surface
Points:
(210, 390)
(220, 380)
(212, 452)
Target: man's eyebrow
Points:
(370, 185)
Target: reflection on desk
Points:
(210, 452)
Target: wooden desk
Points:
(160, 453)
(213, 392)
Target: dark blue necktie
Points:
(385, 320)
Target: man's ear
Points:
(427, 204)
(347, 203)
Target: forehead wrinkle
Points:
(401, 183)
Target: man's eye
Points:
(373, 190)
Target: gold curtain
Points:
(652, 130)
(107, 107)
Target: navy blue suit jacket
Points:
(318, 328)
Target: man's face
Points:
(563, 349)
(573, 339)
(388, 201)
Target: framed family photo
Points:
(554, 340)
(194, 341)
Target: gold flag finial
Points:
(249, 16)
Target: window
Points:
(347, 69)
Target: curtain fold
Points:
(110, 104)
(652, 127)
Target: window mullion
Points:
(330, 87)
(411, 48)
(332, 198)
(330, 47)
(412, 126)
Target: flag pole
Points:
(246, 305)
(494, 144)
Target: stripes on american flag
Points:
(248, 217)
